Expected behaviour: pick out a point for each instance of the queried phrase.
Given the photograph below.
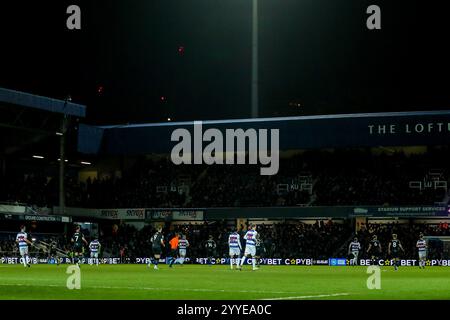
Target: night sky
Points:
(191, 59)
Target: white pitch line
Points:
(153, 289)
(310, 297)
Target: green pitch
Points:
(219, 282)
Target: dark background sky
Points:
(315, 52)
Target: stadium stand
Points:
(362, 165)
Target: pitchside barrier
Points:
(226, 261)
(342, 262)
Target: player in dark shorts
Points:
(394, 250)
(173, 254)
(260, 250)
(210, 247)
(374, 249)
(157, 241)
(78, 242)
(51, 254)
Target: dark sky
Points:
(315, 52)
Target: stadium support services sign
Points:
(412, 211)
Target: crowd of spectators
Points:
(129, 242)
(363, 179)
(408, 234)
(350, 177)
(280, 240)
(9, 248)
(299, 240)
(319, 240)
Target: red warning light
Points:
(181, 50)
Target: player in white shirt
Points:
(23, 242)
(95, 247)
(250, 246)
(183, 244)
(234, 243)
(422, 250)
(353, 249)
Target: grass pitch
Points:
(137, 282)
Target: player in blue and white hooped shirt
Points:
(234, 243)
(94, 247)
(23, 242)
(353, 250)
(250, 246)
(183, 244)
(421, 246)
